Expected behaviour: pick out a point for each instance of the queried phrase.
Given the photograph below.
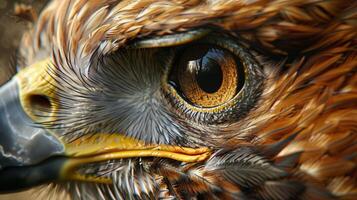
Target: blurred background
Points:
(11, 29)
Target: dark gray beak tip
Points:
(23, 146)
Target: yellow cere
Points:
(35, 81)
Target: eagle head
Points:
(184, 99)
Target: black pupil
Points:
(209, 75)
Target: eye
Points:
(207, 75)
(213, 80)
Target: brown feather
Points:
(314, 93)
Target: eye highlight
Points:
(207, 75)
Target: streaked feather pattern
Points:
(299, 142)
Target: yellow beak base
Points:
(101, 147)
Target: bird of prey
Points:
(184, 99)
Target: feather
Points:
(299, 140)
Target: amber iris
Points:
(207, 75)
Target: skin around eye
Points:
(214, 80)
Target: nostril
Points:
(40, 105)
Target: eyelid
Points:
(170, 40)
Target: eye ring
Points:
(235, 107)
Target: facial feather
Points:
(312, 92)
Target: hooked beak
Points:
(31, 155)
